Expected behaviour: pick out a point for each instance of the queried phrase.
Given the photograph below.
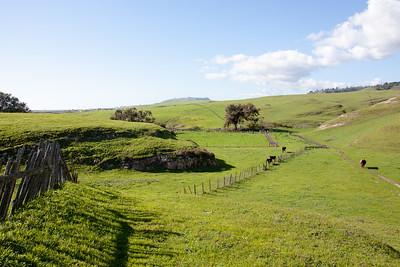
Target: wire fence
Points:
(209, 185)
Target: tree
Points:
(235, 114)
(9, 103)
(251, 115)
(132, 114)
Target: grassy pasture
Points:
(313, 210)
(318, 209)
(372, 133)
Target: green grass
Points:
(299, 111)
(315, 209)
(115, 150)
(17, 128)
(88, 137)
(318, 209)
(372, 133)
(83, 226)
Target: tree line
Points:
(384, 86)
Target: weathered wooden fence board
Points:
(44, 170)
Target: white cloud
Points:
(375, 81)
(220, 59)
(314, 84)
(316, 36)
(371, 34)
(279, 66)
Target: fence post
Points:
(209, 184)
(202, 188)
(194, 189)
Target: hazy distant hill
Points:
(174, 101)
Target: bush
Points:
(132, 114)
(9, 103)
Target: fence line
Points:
(271, 141)
(44, 170)
(246, 174)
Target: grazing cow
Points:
(363, 162)
(283, 149)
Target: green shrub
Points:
(133, 114)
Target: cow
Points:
(283, 149)
(363, 162)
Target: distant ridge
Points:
(183, 100)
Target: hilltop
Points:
(183, 100)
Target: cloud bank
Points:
(371, 34)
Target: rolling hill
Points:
(297, 111)
(317, 209)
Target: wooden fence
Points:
(44, 169)
(234, 178)
(271, 141)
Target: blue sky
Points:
(88, 54)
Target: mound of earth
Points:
(179, 160)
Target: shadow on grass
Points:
(373, 168)
(80, 225)
(122, 241)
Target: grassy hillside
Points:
(184, 100)
(17, 128)
(318, 209)
(88, 137)
(302, 213)
(300, 111)
(372, 133)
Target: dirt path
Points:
(211, 110)
(386, 179)
(390, 181)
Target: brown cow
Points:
(363, 162)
